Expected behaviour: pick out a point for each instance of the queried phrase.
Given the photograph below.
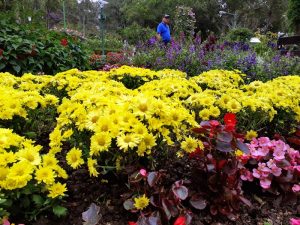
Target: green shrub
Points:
(136, 33)
(23, 50)
(294, 15)
(113, 43)
(239, 34)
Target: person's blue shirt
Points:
(164, 31)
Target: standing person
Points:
(163, 30)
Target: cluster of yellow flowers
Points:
(220, 79)
(98, 114)
(144, 74)
(17, 102)
(21, 163)
(265, 99)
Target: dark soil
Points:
(83, 190)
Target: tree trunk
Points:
(297, 29)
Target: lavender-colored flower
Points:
(152, 41)
(276, 58)
(197, 40)
(192, 49)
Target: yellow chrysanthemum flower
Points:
(233, 106)
(57, 190)
(30, 155)
(251, 134)
(204, 114)
(74, 158)
(45, 174)
(126, 141)
(238, 153)
(100, 142)
(141, 202)
(92, 163)
(50, 161)
(19, 174)
(189, 144)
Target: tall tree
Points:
(294, 15)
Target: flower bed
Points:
(108, 120)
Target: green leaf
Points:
(2, 66)
(38, 200)
(17, 68)
(15, 46)
(47, 202)
(59, 211)
(25, 202)
(31, 135)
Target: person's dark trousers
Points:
(166, 42)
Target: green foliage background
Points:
(294, 15)
(268, 15)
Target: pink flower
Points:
(254, 143)
(256, 173)
(296, 188)
(263, 169)
(279, 155)
(264, 141)
(294, 154)
(214, 123)
(294, 221)
(143, 172)
(263, 151)
(280, 146)
(297, 168)
(276, 171)
(6, 222)
(265, 183)
(246, 175)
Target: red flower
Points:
(230, 121)
(214, 123)
(132, 223)
(180, 220)
(1, 51)
(219, 164)
(64, 42)
(196, 154)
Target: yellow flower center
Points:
(101, 141)
(74, 158)
(95, 119)
(143, 107)
(30, 157)
(127, 139)
(104, 127)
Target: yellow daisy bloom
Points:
(126, 141)
(141, 202)
(45, 174)
(57, 190)
(74, 158)
(251, 134)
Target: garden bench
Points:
(284, 45)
